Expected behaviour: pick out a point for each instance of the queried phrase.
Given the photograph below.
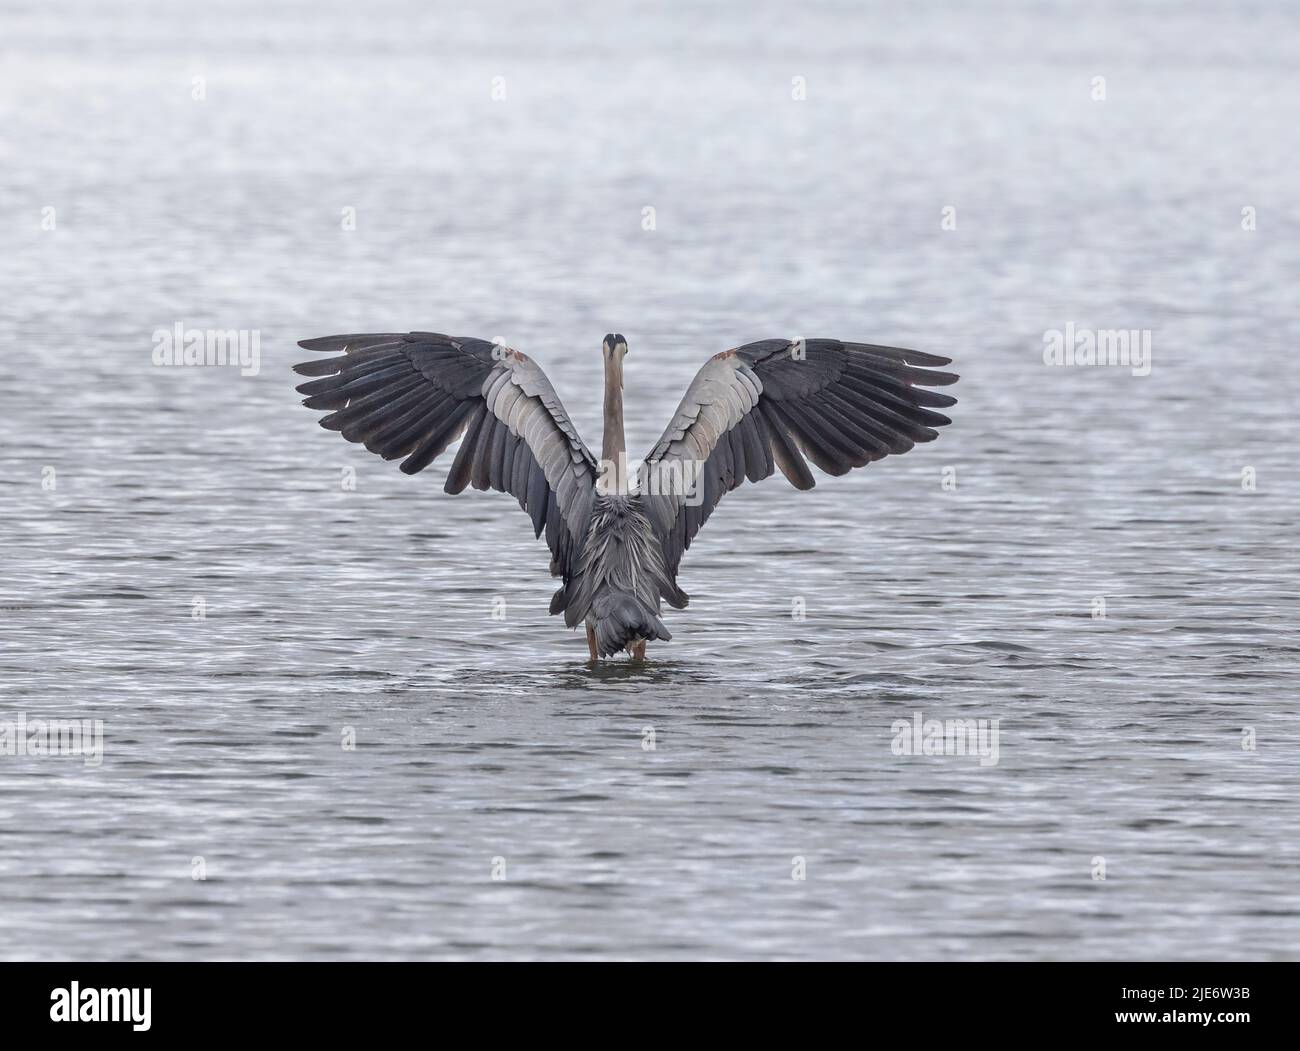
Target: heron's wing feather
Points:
(767, 405)
(411, 395)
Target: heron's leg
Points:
(591, 642)
(638, 651)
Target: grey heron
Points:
(616, 544)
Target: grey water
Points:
(334, 693)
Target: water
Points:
(326, 608)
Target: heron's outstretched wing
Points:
(767, 405)
(411, 395)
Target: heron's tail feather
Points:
(622, 619)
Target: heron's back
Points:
(620, 577)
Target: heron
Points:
(617, 542)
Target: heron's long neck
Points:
(614, 445)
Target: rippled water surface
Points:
(135, 498)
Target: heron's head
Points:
(614, 348)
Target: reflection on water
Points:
(304, 691)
